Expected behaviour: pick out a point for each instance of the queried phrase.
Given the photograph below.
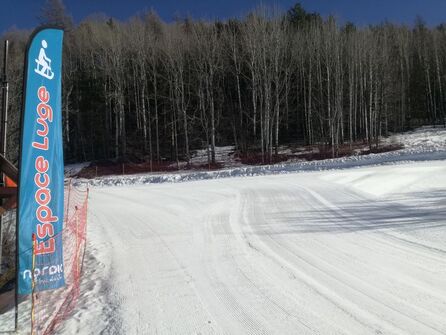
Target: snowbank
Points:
(423, 144)
(424, 138)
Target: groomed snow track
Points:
(359, 251)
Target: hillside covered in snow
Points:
(351, 246)
(423, 144)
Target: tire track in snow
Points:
(368, 288)
(309, 279)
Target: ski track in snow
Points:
(355, 251)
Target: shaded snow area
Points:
(422, 139)
(420, 142)
(423, 144)
(224, 155)
(72, 170)
(352, 251)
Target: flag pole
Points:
(4, 125)
(3, 136)
(4, 120)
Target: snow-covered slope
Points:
(336, 250)
(355, 251)
(423, 139)
(424, 144)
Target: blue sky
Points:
(23, 13)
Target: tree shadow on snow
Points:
(416, 211)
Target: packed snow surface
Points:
(353, 251)
(351, 246)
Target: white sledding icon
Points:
(44, 63)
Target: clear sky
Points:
(23, 13)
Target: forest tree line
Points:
(152, 90)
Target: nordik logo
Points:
(46, 270)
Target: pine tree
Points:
(54, 12)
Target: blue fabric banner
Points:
(41, 182)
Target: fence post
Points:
(68, 201)
(77, 241)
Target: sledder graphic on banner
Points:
(41, 183)
(44, 63)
